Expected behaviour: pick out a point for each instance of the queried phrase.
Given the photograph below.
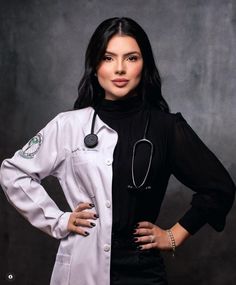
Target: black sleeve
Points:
(194, 165)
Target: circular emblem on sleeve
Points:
(32, 147)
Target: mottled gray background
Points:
(42, 48)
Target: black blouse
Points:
(178, 151)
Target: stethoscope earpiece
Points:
(139, 188)
(91, 140)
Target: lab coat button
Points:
(108, 204)
(107, 247)
(108, 162)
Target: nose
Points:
(120, 67)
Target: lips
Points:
(120, 82)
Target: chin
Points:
(120, 95)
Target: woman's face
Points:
(120, 69)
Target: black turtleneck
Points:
(178, 151)
(127, 118)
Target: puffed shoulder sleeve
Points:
(197, 167)
(21, 175)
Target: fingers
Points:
(145, 224)
(83, 206)
(146, 242)
(79, 225)
(148, 246)
(144, 228)
(146, 235)
(85, 215)
(83, 223)
(143, 232)
(79, 219)
(146, 239)
(79, 230)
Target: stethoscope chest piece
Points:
(91, 140)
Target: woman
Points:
(113, 182)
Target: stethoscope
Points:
(91, 140)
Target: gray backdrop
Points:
(42, 49)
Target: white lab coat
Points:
(85, 175)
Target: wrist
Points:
(179, 234)
(171, 241)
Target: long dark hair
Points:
(90, 93)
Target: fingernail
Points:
(137, 225)
(139, 247)
(135, 239)
(86, 233)
(96, 216)
(92, 224)
(91, 205)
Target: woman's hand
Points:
(148, 235)
(78, 219)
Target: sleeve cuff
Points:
(61, 230)
(193, 220)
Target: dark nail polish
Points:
(135, 239)
(91, 205)
(139, 247)
(92, 224)
(86, 233)
(137, 225)
(96, 216)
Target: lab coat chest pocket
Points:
(84, 164)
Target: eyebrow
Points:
(128, 53)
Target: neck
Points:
(129, 95)
(122, 107)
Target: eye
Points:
(132, 58)
(107, 58)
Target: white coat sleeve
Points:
(21, 175)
